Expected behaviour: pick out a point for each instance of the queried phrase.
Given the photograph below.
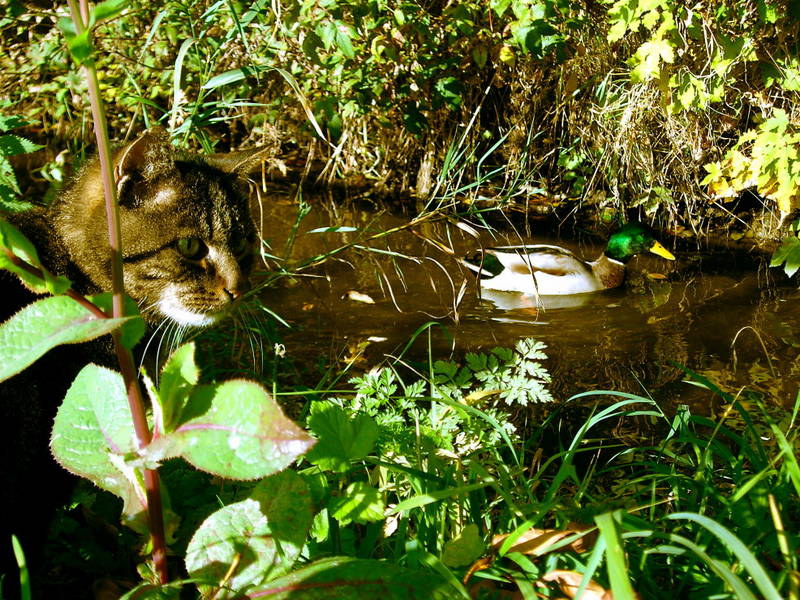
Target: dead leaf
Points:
(359, 297)
(570, 581)
(536, 542)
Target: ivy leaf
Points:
(235, 430)
(264, 533)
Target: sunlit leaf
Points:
(360, 503)
(235, 430)
(341, 439)
(45, 324)
(93, 433)
(261, 535)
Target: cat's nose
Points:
(237, 288)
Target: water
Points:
(721, 312)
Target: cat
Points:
(187, 232)
(188, 251)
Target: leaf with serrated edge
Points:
(265, 533)
(93, 433)
(234, 430)
(43, 325)
(341, 439)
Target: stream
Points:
(719, 311)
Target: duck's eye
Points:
(192, 248)
(240, 247)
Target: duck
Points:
(545, 270)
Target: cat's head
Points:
(187, 234)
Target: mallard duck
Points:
(546, 270)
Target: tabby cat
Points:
(187, 238)
(187, 233)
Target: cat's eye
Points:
(192, 248)
(240, 247)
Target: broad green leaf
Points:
(80, 47)
(234, 430)
(357, 579)
(178, 378)
(360, 503)
(788, 255)
(465, 549)
(134, 329)
(93, 433)
(341, 439)
(108, 9)
(343, 42)
(12, 240)
(264, 533)
(43, 325)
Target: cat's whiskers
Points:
(164, 321)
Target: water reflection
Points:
(630, 339)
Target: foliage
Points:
(12, 145)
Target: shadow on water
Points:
(717, 311)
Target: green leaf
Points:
(349, 578)
(234, 75)
(234, 430)
(93, 433)
(788, 255)
(149, 591)
(341, 440)
(11, 145)
(265, 533)
(133, 329)
(14, 241)
(43, 325)
(178, 379)
(465, 549)
(108, 9)
(80, 47)
(343, 42)
(360, 503)
(11, 122)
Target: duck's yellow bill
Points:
(657, 248)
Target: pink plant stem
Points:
(124, 355)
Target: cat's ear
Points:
(143, 154)
(242, 162)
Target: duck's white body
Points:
(546, 270)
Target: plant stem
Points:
(37, 272)
(124, 355)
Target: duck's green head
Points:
(633, 239)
